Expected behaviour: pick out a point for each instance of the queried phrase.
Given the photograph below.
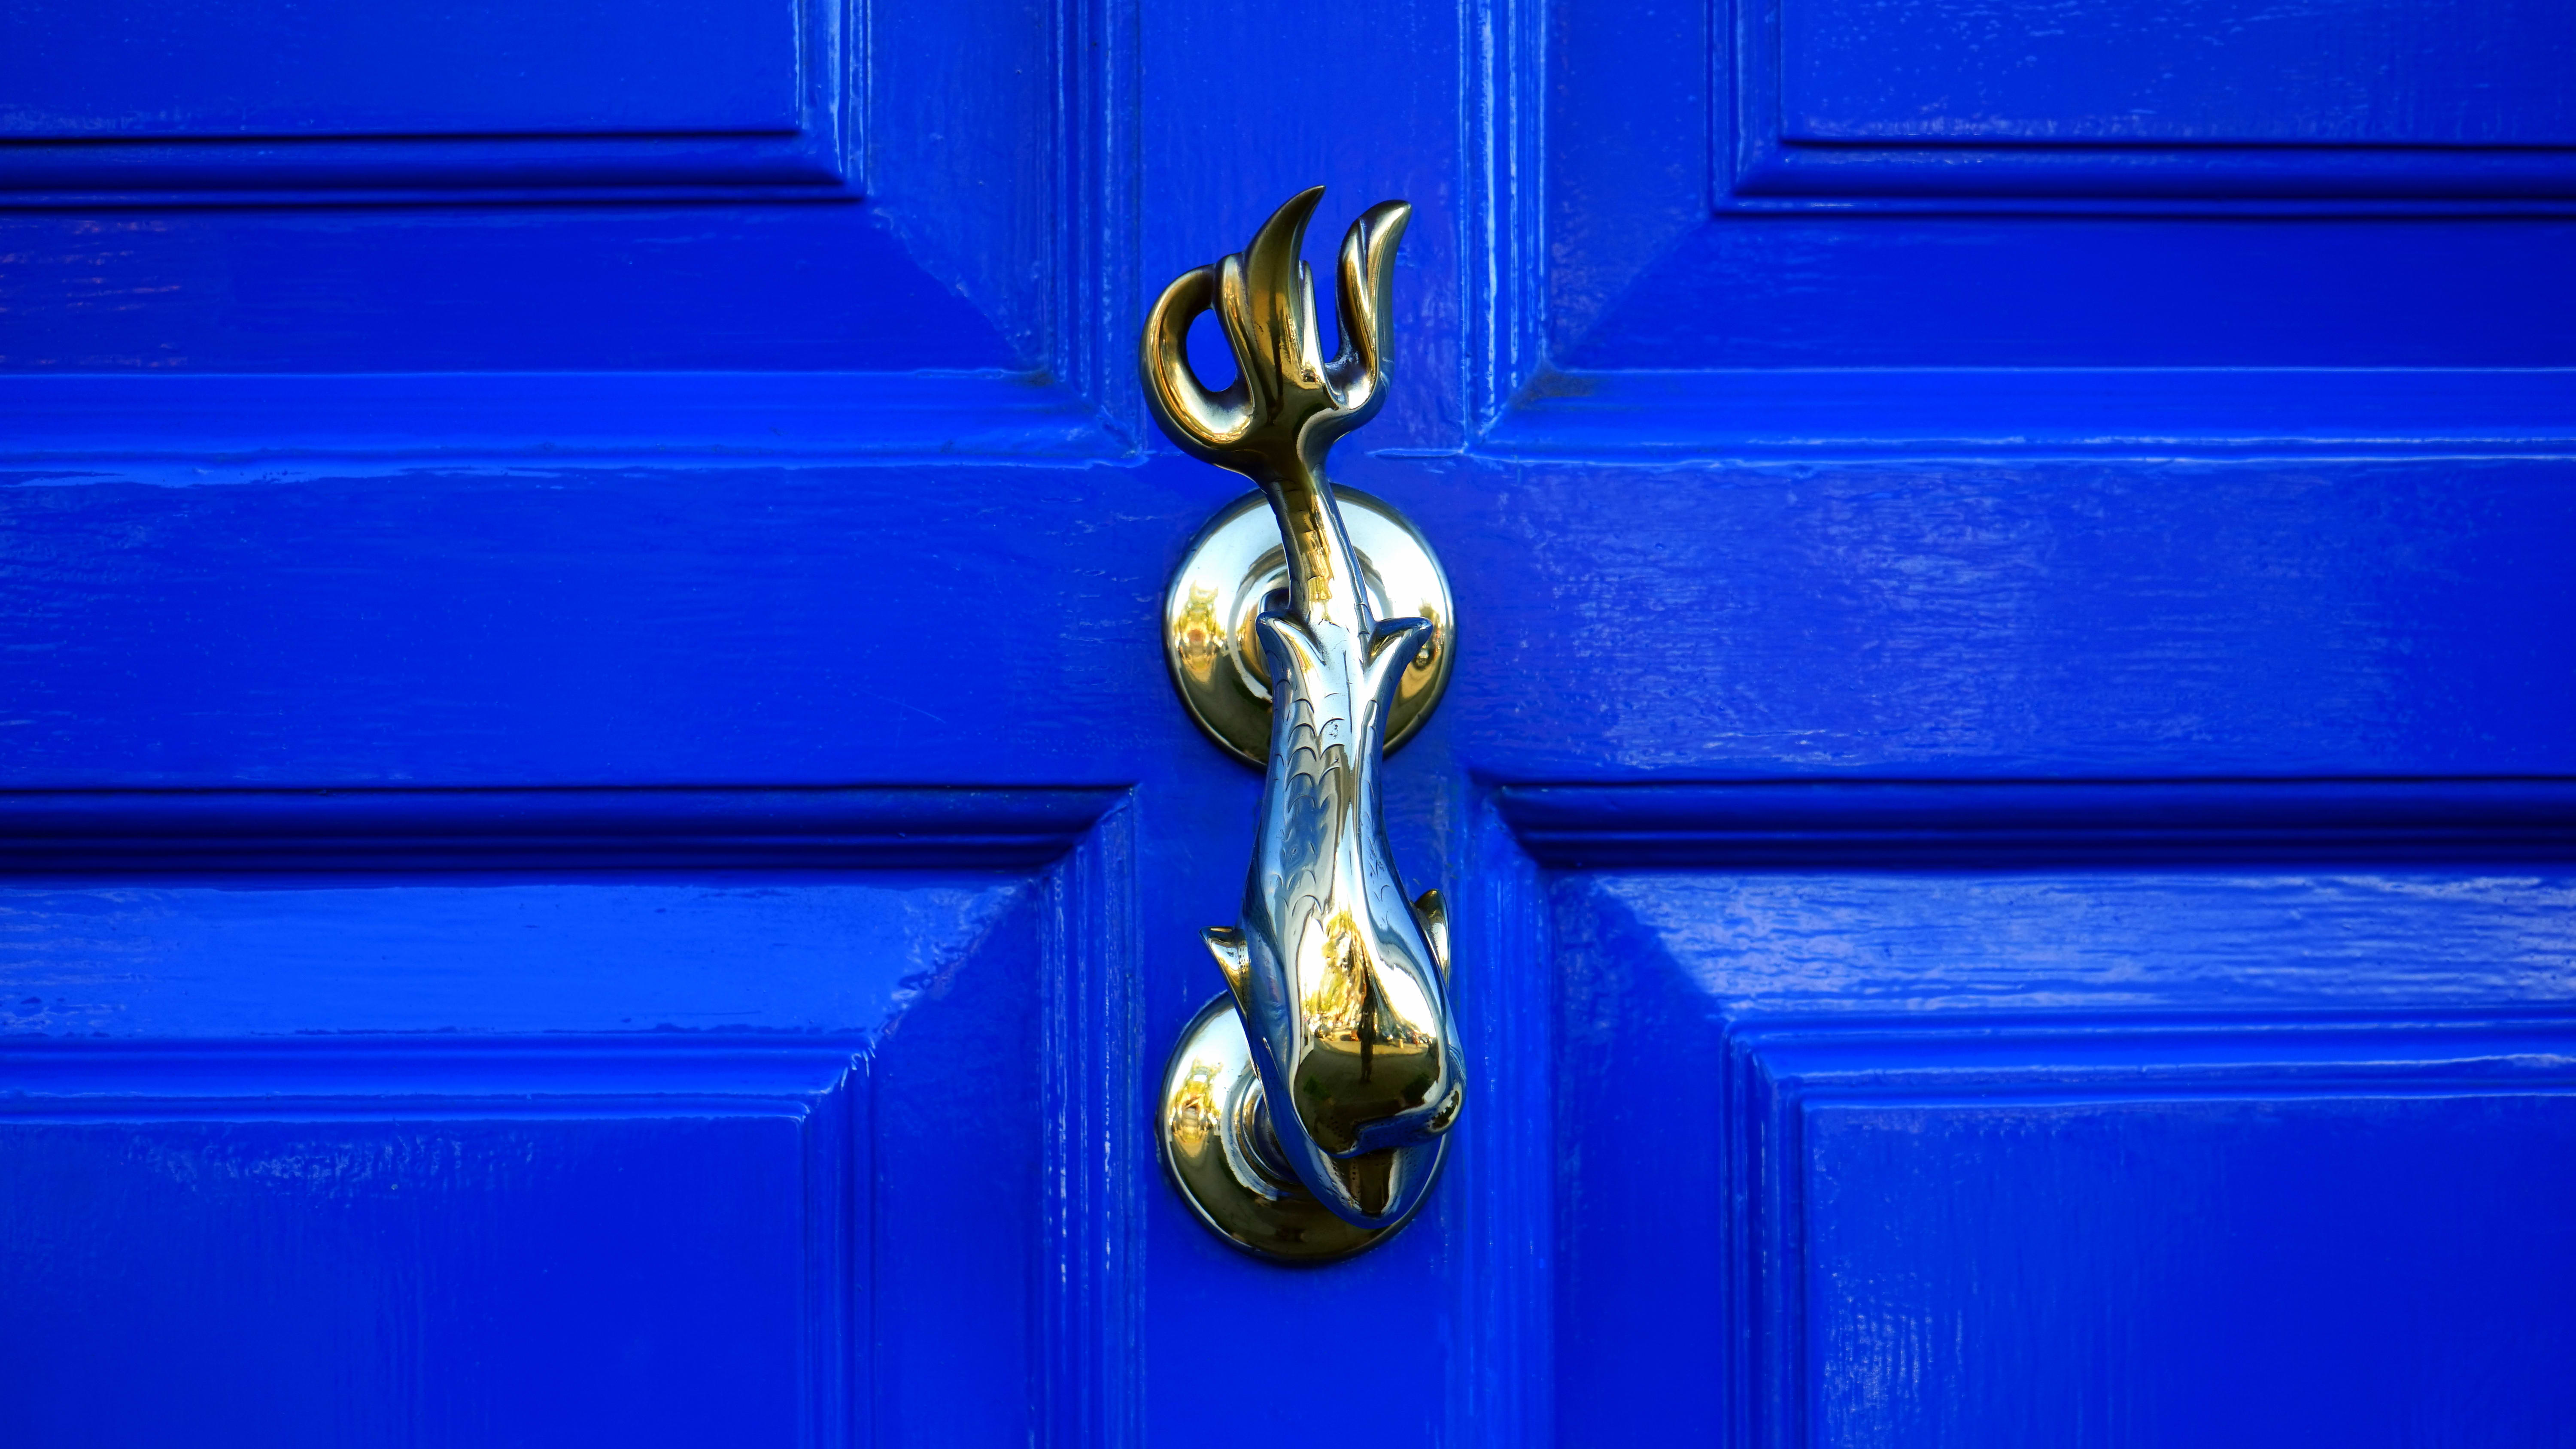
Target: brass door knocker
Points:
(1304, 1114)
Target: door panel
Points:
(2399, 74)
(348, 70)
(416, 1244)
(597, 842)
(2034, 1143)
(1887, 495)
(494, 1115)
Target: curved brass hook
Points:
(1340, 985)
(1286, 405)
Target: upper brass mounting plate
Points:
(1227, 579)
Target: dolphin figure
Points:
(1340, 982)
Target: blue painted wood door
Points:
(595, 845)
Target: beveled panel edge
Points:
(397, 1076)
(808, 164)
(821, 155)
(1758, 167)
(819, 1083)
(266, 831)
(1896, 824)
(1776, 1069)
(1098, 1143)
(1668, 415)
(192, 429)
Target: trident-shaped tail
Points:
(1287, 404)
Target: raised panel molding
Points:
(1791, 412)
(195, 427)
(2387, 73)
(277, 70)
(662, 326)
(78, 833)
(611, 1191)
(1928, 1112)
(2199, 72)
(609, 1228)
(351, 98)
(1722, 283)
(1877, 99)
(2043, 824)
(1953, 1230)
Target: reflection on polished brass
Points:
(1210, 617)
(1339, 988)
(1218, 1145)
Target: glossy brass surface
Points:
(1211, 614)
(1339, 987)
(1221, 1150)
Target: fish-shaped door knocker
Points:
(1305, 1112)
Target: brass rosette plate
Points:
(1215, 1140)
(1233, 569)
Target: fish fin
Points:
(1233, 958)
(1432, 914)
(1392, 650)
(1292, 649)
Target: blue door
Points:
(598, 847)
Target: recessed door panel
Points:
(507, 1113)
(2044, 1155)
(275, 70)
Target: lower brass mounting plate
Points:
(1215, 1134)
